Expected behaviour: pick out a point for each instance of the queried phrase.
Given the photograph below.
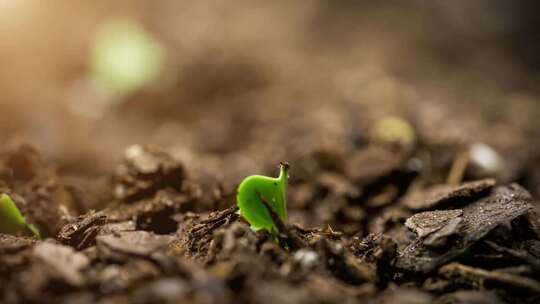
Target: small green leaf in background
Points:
(11, 220)
(393, 130)
(272, 190)
(125, 57)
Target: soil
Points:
(136, 200)
(164, 239)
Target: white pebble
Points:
(484, 160)
(307, 258)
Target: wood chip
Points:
(503, 205)
(467, 273)
(63, 260)
(441, 195)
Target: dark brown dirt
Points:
(135, 198)
(161, 245)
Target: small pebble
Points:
(484, 160)
(307, 258)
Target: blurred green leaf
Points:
(125, 57)
(393, 130)
(11, 220)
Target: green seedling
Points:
(257, 194)
(391, 130)
(12, 221)
(125, 58)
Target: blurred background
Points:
(232, 87)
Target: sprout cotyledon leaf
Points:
(12, 221)
(257, 193)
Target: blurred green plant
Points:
(12, 221)
(393, 130)
(260, 197)
(125, 57)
